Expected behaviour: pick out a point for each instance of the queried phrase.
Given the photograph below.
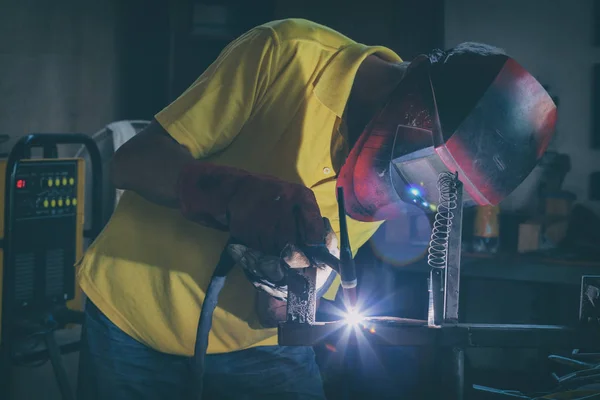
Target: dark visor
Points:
(399, 157)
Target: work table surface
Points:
(519, 267)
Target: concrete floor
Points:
(39, 383)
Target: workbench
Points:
(520, 269)
(532, 267)
(516, 268)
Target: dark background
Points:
(76, 65)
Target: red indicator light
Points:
(21, 184)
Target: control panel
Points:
(45, 189)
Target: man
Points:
(252, 150)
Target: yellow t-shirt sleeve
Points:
(333, 289)
(207, 117)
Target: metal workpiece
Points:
(589, 300)
(375, 331)
(441, 330)
(302, 296)
(444, 252)
(452, 275)
(435, 313)
(302, 300)
(386, 331)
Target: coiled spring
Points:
(442, 224)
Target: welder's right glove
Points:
(262, 212)
(268, 273)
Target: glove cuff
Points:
(205, 190)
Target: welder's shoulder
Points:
(295, 30)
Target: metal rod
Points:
(435, 314)
(452, 271)
(59, 368)
(347, 266)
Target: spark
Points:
(354, 317)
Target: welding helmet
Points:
(486, 119)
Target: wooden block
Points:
(558, 206)
(529, 237)
(556, 231)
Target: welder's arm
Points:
(259, 211)
(202, 121)
(149, 164)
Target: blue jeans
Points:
(114, 366)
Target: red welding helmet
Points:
(491, 132)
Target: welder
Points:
(254, 151)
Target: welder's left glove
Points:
(267, 273)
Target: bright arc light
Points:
(353, 317)
(415, 191)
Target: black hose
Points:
(217, 281)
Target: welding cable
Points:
(589, 397)
(217, 281)
(35, 340)
(581, 379)
(585, 397)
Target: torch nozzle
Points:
(350, 297)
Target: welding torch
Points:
(345, 264)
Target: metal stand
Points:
(444, 280)
(57, 365)
(452, 373)
(453, 362)
(442, 330)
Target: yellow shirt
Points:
(271, 103)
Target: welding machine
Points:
(41, 233)
(47, 231)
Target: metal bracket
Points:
(302, 296)
(452, 270)
(444, 282)
(589, 300)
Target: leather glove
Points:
(263, 212)
(267, 273)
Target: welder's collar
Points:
(334, 84)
